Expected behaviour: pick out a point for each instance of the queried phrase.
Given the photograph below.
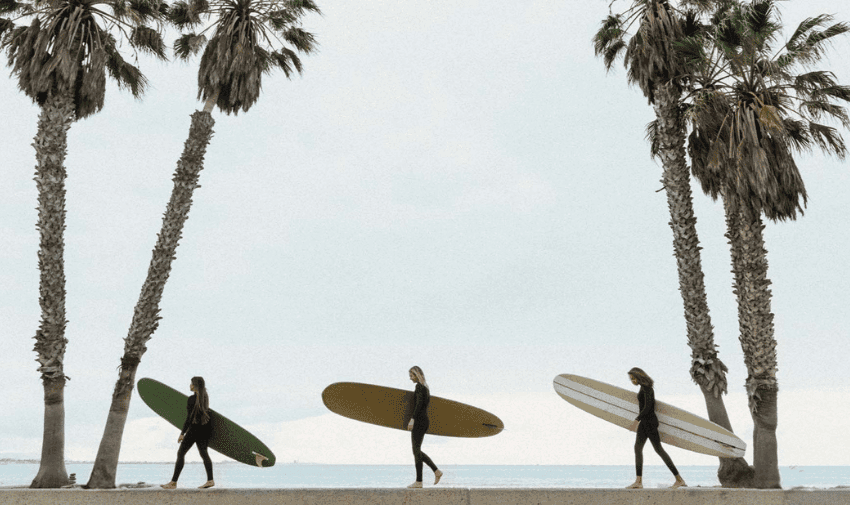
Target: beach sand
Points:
(434, 496)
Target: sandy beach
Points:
(454, 496)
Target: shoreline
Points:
(426, 496)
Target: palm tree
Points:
(751, 109)
(61, 60)
(241, 49)
(652, 62)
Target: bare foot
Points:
(437, 475)
(207, 484)
(415, 485)
(170, 485)
(636, 485)
(680, 482)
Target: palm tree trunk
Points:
(707, 371)
(755, 321)
(50, 144)
(146, 314)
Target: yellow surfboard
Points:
(393, 408)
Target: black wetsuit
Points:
(421, 397)
(648, 428)
(194, 433)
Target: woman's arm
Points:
(190, 404)
(648, 403)
(418, 400)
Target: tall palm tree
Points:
(653, 63)
(61, 60)
(248, 40)
(753, 107)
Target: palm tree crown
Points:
(649, 55)
(753, 106)
(249, 38)
(69, 46)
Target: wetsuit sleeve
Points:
(189, 404)
(418, 400)
(648, 403)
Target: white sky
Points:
(456, 185)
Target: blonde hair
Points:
(420, 375)
(641, 377)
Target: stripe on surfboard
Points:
(619, 407)
(718, 437)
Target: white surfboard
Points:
(676, 427)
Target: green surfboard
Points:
(228, 438)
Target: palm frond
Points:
(769, 120)
(827, 139)
(759, 21)
(809, 44)
(300, 39)
(143, 11)
(127, 76)
(188, 44)
(817, 110)
(302, 7)
(281, 19)
(249, 39)
(71, 47)
(651, 136)
(14, 7)
(797, 135)
(811, 81)
(805, 26)
(148, 40)
(287, 60)
(835, 91)
(6, 26)
(183, 15)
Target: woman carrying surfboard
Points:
(419, 424)
(646, 424)
(196, 430)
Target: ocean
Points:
(237, 475)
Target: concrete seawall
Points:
(445, 496)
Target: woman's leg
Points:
(202, 448)
(185, 445)
(416, 437)
(640, 441)
(655, 439)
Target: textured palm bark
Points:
(706, 368)
(50, 145)
(755, 321)
(146, 314)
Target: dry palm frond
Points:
(247, 38)
(70, 46)
(772, 108)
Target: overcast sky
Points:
(454, 185)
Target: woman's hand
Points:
(410, 425)
(180, 438)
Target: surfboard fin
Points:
(259, 458)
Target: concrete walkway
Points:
(434, 496)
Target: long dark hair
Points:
(641, 377)
(201, 412)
